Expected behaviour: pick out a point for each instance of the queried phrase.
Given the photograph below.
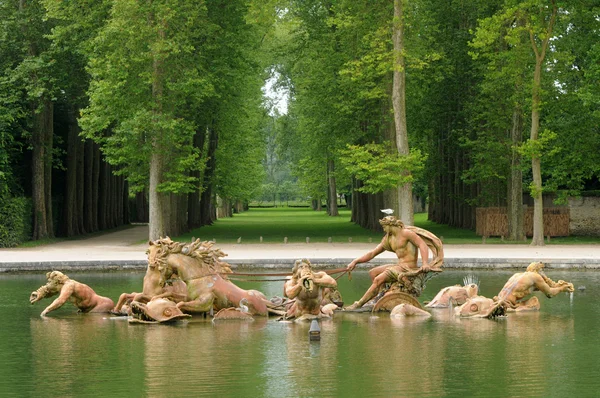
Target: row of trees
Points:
(468, 103)
(494, 98)
(159, 98)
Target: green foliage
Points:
(573, 104)
(15, 220)
(145, 69)
(312, 177)
(545, 144)
(379, 168)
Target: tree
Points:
(539, 28)
(36, 75)
(497, 119)
(145, 68)
(405, 199)
(529, 23)
(572, 117)
(74, 28)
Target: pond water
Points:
(553, 352)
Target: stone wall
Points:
(585, 216)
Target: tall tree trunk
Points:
(48, 143)
(515, 185)
(174, 228)
(182, 216)
(41, 139)
(110, 203)
(206, 200)
(405, 199)
(536, 167)
(119, 201)
(332, 208)
(96, 172)
(194, 209)
(103, 188)
(158, 201)
(88, 207)
(239, 206)
(390, 196)
(125, 213)
(80, 186)
(71, 227)
(42, 120)
(536, 164)
(141, 206)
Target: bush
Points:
(15, 221)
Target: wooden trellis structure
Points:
(493, 221)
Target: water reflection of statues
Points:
(81, 295)
(404, 309)
(308, 289)
(521, 285)
(407, 242)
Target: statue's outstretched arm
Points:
(324, 280)
(65, 293)
(366, 257)
(541, 285)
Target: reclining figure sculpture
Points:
(81, 295)
(514, 296)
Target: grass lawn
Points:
(274, 224)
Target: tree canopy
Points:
(482, 103)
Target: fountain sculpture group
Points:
(191, 278)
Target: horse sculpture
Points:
(152, 287)
(199, 265)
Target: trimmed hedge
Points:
(15, 221)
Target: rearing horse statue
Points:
(199, 265)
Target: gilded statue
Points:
(198, 264)
(407, 242)
(453, 295)
(308, 291)
(515, 296)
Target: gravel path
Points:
(126, 249)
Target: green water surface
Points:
(551, 353)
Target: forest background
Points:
(119, 110)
